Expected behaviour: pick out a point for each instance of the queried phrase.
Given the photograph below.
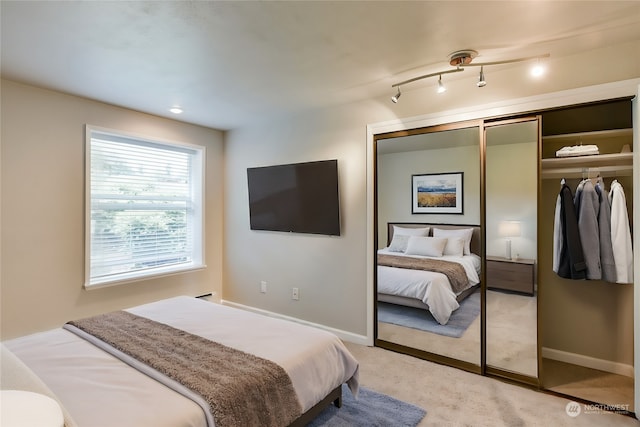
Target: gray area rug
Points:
(371, 409)
(423, 320)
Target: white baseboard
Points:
(343, 335)
(588, 362)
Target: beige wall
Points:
(329, 271)
(394, 185)
(512, 194)
(42, 268)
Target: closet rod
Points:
(576, 172)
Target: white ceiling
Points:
(229, 63)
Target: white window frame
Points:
(197, 201)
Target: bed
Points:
(410, 270)
(99, 387)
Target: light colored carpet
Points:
(511, 334)
(453, 397)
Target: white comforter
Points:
(99, 390)
(429, 287)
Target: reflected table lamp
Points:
(509, 229)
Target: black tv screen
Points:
(299, 198)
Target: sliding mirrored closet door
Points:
(428, 185)
(511, 247)
(569, 335)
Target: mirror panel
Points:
(511, 246)
(400, 162)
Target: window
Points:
(144, 207)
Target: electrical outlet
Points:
(263, 287)
(295, 294)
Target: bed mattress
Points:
(97, 389)
(430, 288)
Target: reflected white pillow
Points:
(463, 233)
(425, 246)
(455, 246)
(399, 243)
(403, 231)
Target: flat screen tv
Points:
(298, 198)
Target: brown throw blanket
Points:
(454, 271)
(241, 389)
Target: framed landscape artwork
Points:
(436, 193)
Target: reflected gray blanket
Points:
(239, 388)
(454, 271)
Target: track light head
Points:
(441, 87)
(481, 81)
(395, 97)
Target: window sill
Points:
(126, 278)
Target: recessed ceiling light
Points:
(175, 110)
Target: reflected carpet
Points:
(371, 409)
(423, 320)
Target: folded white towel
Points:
(578, 150)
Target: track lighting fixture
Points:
(481, 81)
(395, 97)
(441, 87)
(462, 59)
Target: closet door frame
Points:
(494, 371)
(512, 107)
(636, 245)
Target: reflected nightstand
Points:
(511, 274)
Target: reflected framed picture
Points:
(437, 193)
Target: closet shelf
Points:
(586, 137)
(620, 164)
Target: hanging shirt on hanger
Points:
(621, 234)
(607, 262)
(577, 198)
(572, 265)
(587, 210)
(557, 233)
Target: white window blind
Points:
(145, 207)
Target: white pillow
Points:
(464, 233)
(425, 246)
(399, 243)
(455, 246)
(402, 231)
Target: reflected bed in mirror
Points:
(437, 323)
(428, 280)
